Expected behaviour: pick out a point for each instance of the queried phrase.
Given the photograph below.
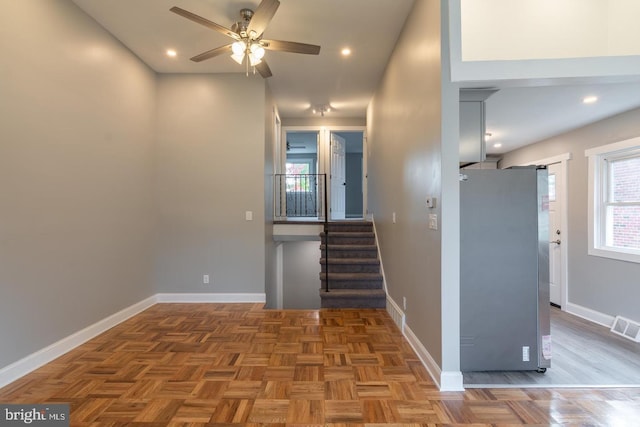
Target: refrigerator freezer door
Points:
(499, 270)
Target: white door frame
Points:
(563, 159)
(324, 153)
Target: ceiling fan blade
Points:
(264, 69)
(262, 16)
(293, 47)
(202, 21)
(211, 53)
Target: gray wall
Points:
(354, 185)
(605, 285)
(76, 164)
(301, 280)
(270, 268)
(210, 171)
(404, 142)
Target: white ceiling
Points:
(299, 82)
(515, 116)
(518, 116)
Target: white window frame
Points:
(598, 181)
(303, 160)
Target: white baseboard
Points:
(445, 380)
(396, 313)
(33, 361)
(451, 381)
(591, 315)
(203, 298)
(12, 372)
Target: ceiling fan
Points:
(294, 147)
(247, 34)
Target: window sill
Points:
(615, 254)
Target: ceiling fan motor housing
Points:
(240, 27)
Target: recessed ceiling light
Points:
(171, 53)
(589, 99)
(497, 145)
(346, 51)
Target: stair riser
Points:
(353, 284)
(351, 268)
(353, 303)
(351, 253)
(343, 240)
(358, 228)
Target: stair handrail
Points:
(326, 237)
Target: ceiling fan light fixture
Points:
(239, 47)
(247, 35)
(257, 50)
(239, 58)
(253, 60)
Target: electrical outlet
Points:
(525, 353)
(205, 279)
(404, 303)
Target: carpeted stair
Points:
(354, 269)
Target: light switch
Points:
(431, 202)
(393, 218)
(248, 215)
(433, 221)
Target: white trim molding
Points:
(35, 360)
(396, 313)
(22, 367)
(209, 298)
(451, 381)
(591, 315)
(445, 380)
(598, 158)
(563, 159)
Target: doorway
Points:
(556, 209)
(347, 175)
(332, 153)
(301, 179)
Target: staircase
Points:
(354, 275)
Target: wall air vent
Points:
(626, 328)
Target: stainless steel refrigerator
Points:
(504, 270)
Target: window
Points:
(298, 178)
(614, 200)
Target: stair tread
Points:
(350, 222)
(358, 293)
(356, 246)
(353, 276)
(349, 233)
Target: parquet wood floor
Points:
(237, 364)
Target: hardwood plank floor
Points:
(237, 364)
(583, 355)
